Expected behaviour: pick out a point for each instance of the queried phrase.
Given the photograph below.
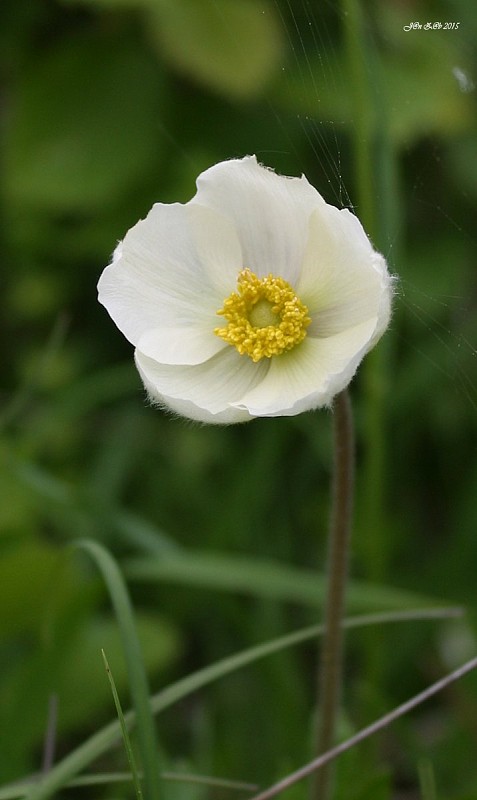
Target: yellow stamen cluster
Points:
(264, 316)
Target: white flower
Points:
(254, 299)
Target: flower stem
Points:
(331, 666)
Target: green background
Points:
(107, 107)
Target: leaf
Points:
(137, 678)
(262, 578)
(27, 573)
(124, 731)
(71, 668)
(417, 87)
(83, 126)
(104, 738)
(231, 47)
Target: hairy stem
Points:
(331, 666)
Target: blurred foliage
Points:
(108, 106)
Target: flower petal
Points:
(309, 376)
(180, 345)
(343, 281)
(218, 248)
(270, 213)
(161, 276)
(203, 392)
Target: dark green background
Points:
(108, 106)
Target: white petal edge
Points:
(344, 281)
(310, 375)
(270, 213)
(160, 275)
(203, 392)
(181, 345)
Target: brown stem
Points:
(331, 666)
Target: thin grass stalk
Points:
(17, 790)
(365, 733)
(108, 736)
(427, 780)
(124, 731)
(49, 744)
(147, 740)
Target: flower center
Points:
(264, 316)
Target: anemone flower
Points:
(254, 299)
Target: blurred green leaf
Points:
(71, 667)
(104, 738)
(463, 163)
(17, 514)
(418, 87)
(423, 95)
(231, 47)
(261, 578)
(27, 573)
(136, 671)
(82, 127)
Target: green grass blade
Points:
(19, 788)
(124, 730)
(105, 738)
(264, 578)
(19, 401)
(132, 651)
(427, 780)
